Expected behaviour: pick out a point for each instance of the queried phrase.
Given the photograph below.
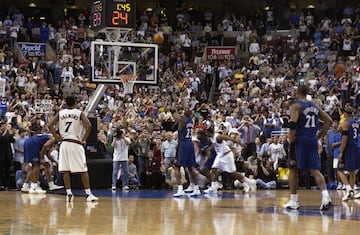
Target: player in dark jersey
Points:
(349, 154)
(35, 147)
(186, 152)
(303, 153)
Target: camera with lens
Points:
(118, 133)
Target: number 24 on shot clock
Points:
(113, 13)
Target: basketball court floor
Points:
(157, 212)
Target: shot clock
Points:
(113, 13)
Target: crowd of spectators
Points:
(317, 49)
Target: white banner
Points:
(43, 106)
(2, 87)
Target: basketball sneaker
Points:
(55, 187)
(69, 198)
(91, 198)
(219, 185)
(25, 188)
(292, 205)
(126, 188)
(348, 195)
(113, 188)
(357, 196)
(195, 193)
(210, 190)
(36, 190)
(189, 189)
(179, 193)
(325, 203)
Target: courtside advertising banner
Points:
(32, 49)
(220, 53)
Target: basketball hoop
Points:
(128, 81)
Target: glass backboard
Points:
(112, 60)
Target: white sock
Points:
(213, 185)
(325, 193)
(25, 185)
(68, 191)
(180, 188)
(294, 197)
(196, 187)
(87, 191)
(51, 184)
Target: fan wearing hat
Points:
(348, 157)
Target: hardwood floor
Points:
(156, 212)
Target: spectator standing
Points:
(3, 107)
(168, 153)
(120, 158)
(133, 174)
(329, 149)
(143, 147)
(14, 30)
(21, 80)
(249, 132)
(28, 29)
(44, 32)
(6, 139)
(19, 149)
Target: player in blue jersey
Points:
(303, 153)
(35, 148)
(349, 154)
(186, 152)
(203, 149)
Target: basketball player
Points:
(71, 122)
(186, 152)
(203, 149)
(35, 148)
(224, 161)
(303, 152)
(349, 153)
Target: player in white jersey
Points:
(72, 157)
(224, 161)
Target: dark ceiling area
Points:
(51, 10)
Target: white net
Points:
(128, 81)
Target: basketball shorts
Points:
(72, 158)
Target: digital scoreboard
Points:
(113, 13)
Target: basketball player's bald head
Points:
(303, 90)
